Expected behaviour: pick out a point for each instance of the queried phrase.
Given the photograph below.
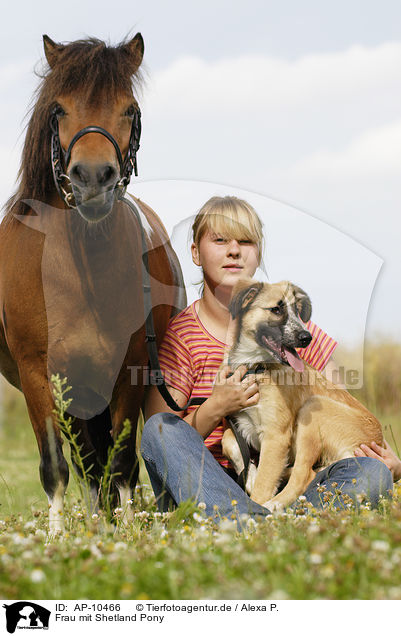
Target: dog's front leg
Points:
(301, 476)
(232, 451)
(308, 448)
(272, 461)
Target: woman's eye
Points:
(246, 242)
(130, 112)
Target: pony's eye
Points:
(130, 112)
(59, 110)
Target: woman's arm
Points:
(230, 394)
(154, 402)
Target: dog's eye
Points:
(275, 310)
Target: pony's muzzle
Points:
(93, 177)
(93, 186)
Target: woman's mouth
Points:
(233, 268)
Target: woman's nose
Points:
(234, 247)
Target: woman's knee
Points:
(153, 430)
(358, 477)
(157, 429)
(377, 478)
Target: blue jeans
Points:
(181, 467)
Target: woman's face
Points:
(223, 260)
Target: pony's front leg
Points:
(53, 467)
(125, 465)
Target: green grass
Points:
(180, 555)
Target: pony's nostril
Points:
(95, 176)
(106, 174)
(79, 175)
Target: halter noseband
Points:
(61, 158)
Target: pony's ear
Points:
(303, 303)
(52, 50)
(134, 49)
(244, 293)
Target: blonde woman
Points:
(182, 452)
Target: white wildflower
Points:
(95, 551)
(30, 525)
(40, 533)
(380, 546)
(37, 576)
(120, 545)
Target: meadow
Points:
(302, 554)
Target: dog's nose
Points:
(304, 338)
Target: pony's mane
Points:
(91, 70)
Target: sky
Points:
(295, 106)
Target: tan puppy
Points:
(301, 418)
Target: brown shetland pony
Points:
(71, 297)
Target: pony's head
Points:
(88, 85)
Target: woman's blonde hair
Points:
(231, 218)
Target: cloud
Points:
(252, 119)
(258, 83)
(376, 153)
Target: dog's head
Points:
(270, 321)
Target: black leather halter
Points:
(60, 158)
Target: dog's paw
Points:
(273, 506)
(250, 480)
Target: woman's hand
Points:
(232, 391)
(384, 453)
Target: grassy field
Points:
(305, 554)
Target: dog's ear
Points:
(244, 293)
(303, 303)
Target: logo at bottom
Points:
(26, 615)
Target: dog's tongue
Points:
(294, 361)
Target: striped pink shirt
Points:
(190, 358)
